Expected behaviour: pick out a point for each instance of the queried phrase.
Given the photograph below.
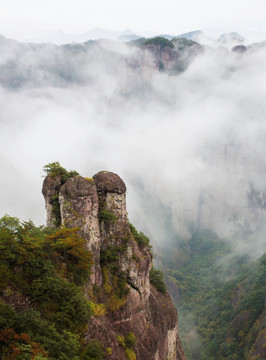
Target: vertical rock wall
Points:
(120, 283)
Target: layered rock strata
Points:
(123, 299)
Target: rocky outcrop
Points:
(79, 207)
(160, 57)
(50, 190)
(122, 298)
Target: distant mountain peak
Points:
(127, 32)
(197, 36)
(192, 33)
(231, 37)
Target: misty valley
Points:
(182, 121)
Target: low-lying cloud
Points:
(172, 138)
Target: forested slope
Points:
(220, 297)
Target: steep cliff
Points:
(131, 317)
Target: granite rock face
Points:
(50, 190)
(79, 207)
(124, 300)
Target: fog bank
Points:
(191, 144)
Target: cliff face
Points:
(122, 297)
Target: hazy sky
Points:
(169, 16)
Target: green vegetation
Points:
(115, 284)
(159, 41)
(138, 42)
(98, 309)
(19, 346)
(107, 216)
(183, 43)
(161, 65)
(114, 280)
(157, 280)
(94, 351)
(56, 210)
(141, 239)
(109, 351)
(110, 255)
(128, 342)
(42, 272)
(222, 306)
(68, 246)
(54, 169)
